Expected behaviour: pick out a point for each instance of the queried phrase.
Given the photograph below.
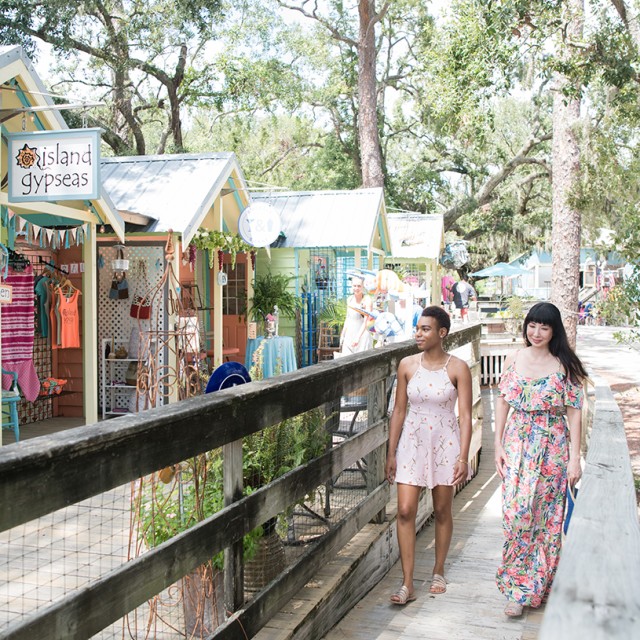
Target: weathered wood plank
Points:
(84, 613)
(472, 606)
(599, 599)
(268, 601)
(45, 474)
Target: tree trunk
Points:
(566, 231)
(368, 135)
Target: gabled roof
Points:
(17, 69)
(328, 218)
(416, 235)
(175, 191)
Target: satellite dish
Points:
(259, 224)
(227, 375)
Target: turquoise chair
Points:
(10, 401)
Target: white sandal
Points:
(402, 596)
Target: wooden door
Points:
(234, 307)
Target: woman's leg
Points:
(407, 508)
(442, 507)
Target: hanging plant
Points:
(218, 242)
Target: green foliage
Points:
(333, 313)
(214, 241)
(165, 510)
(272, 289)
(617, 308)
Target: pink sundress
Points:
(533, 491)
(429, 444)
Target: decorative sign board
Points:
(54, 165)
(259, 224)
(6, 293)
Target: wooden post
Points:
(89, 328)
(233, 561)
(376, 460)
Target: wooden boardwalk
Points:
(472, 607)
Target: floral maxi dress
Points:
(533, 491)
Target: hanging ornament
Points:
(220, 259)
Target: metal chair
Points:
(10, 399)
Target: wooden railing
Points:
(596, 593)
(43, 475)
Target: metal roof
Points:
(416, 235)
(176, 191)
(326, 218)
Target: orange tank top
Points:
(70, 320)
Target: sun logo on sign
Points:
(27, 157)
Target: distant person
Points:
(428, 444)
(537, 450)
(462, 293)
(446, 285)
(355, 336)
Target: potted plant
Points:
(271, 290)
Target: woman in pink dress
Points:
(537, 450)
(428, 445)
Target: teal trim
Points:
(383, 238)
(25, 103)
(46, 219)
(89, 205)
(236, 195)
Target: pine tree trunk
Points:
(566, 231)
(368, 135)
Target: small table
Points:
(278, 355)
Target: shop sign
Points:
(54, 165)
(6, 293)
(259, 224)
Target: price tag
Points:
(6, 293)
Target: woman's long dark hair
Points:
(549, 314)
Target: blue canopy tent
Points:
(500, 270)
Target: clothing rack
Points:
(50, 265)
(17, 261)
(63, 282)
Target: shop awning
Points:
(175, 192)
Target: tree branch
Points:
(314, 15)
(485, 193)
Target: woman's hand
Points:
(460, 472)
(574, 471)
(390, 470)
(501, 460)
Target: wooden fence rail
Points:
(43, 475)
(596, 592)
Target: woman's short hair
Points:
(441, 316)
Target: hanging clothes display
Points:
(69, 320)
(17, 332)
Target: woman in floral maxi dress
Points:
(537, 452)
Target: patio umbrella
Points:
(500, 270)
